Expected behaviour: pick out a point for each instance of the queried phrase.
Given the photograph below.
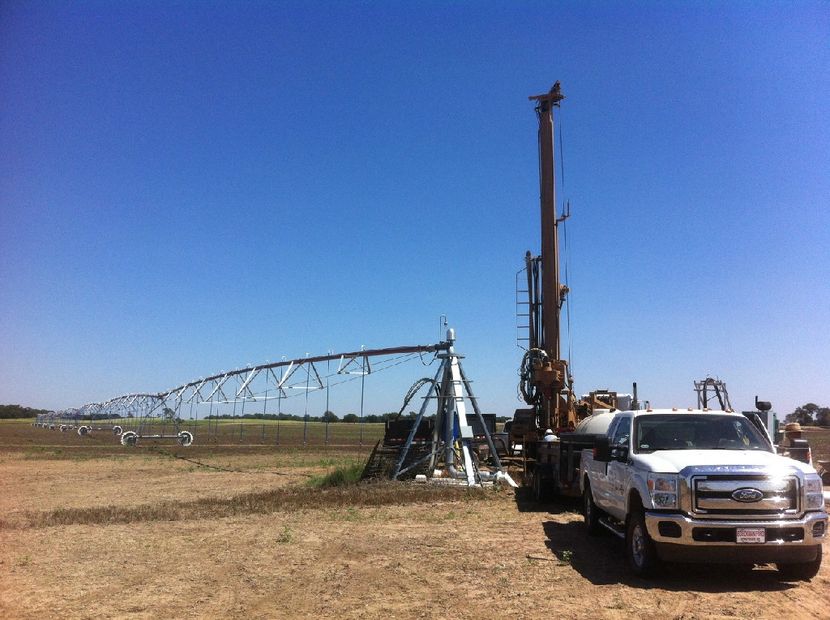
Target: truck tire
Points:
(640, 553)
(591, 512)
(539, 489)
(804, 571)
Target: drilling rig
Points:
(545, 383)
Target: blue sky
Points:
(192, 186)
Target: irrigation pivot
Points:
(225, 405)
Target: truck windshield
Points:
(697, 432)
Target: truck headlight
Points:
(663, 490)
(813, 496)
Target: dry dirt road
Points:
(487, 556)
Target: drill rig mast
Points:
(546, 383)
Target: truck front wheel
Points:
(639, 548)
(800, 572)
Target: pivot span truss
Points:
(235, 394)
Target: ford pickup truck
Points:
(702, 486)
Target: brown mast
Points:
(550, 375)
(550, 239)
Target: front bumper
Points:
(683, 538)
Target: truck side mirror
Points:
(619, 453)
(602, 450)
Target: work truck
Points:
(701, 486)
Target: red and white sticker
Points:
(750, 535)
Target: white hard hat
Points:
(549, 432)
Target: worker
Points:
(793, 445)
(549, 436)
(792, 431)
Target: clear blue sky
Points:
(191, 186)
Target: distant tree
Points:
(810, 414)
(16, 411)
(351, 418)
(329, 416)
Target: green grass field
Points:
(236, 432)
(288, 432)
(250, 432)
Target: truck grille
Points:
(763, 496)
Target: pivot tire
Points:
(117, 430)
(185, 438)
(804, 571)
(83, 431)
(640, 553)
(130, 438)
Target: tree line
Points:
(328, 416)
(810, 415)
(8, 412)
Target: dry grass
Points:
(276, 500)
(103, 537)
(819, 439)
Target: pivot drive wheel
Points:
(800, 572)
(83, 430)
(185, 438)
(591, 512)
(117, 430)
(130, 438)
(639, 548)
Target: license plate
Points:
(750, 535)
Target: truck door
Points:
(598, 473)
(618, 469)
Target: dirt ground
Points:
(488, 557)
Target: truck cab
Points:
(702, 486)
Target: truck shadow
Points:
(601, 561)
(558, 505)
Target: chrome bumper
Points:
(688, 524)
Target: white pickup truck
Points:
(702, 486)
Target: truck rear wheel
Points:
(800, 572)
(590, 511)
(640, 552)
(540, 488)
